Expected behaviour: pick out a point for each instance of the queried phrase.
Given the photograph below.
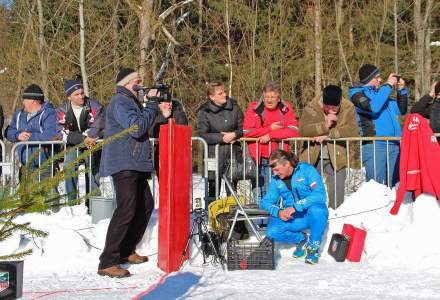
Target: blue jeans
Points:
(382, 168)
(92, 182)
(291, 231)
(265, 174)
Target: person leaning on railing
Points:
(329, 116)
(35, 121)
(377, 116)
(270, 119)
(80, 120)
(220, 121)
(429, 107)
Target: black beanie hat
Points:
(332, 95)
(33, 92)
(367, 73)
(125, 75)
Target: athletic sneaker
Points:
(312, 256)
(300, 248)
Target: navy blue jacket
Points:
(132, 151)
(377, 113)
(307, 190)
(42, 126)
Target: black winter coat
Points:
(178, 114)
(429, 108)
(213, 120)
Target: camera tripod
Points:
(202, 232)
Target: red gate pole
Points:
(174, 194)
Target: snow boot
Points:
(312, 256)
(300, 248)
(114, 271)
(134, 259)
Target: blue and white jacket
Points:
(42, 126)
(307, 190)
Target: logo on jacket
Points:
(313, 184)
(414, 123)
(299, 179)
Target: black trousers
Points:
(130, 219)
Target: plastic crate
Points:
(251, 256)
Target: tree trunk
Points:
(339, 15)
(396, 53)
(115, 34)
(145, 35)
(20, 59)
(426, 84)
(229, 46)
(418, 48)
(40, 49)
(318, 48)
(82, 56)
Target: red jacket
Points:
(257, 121)
(419, 161)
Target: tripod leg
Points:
(217, 256)
(187, 243)
(200, 233)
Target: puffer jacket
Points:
(312, 124)
(257, 123)
(42, 127)
(213, 120)
(377, 112)
(307, 190)
(91, 122)
(132, 151)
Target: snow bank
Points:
(408, 239)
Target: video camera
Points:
(163, 92)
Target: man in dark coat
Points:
(429, 107)
(127, 160)
(80, 120)
(220, 122)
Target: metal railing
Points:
(354, 166)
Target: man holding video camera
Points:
(377, 116)
(127, 160)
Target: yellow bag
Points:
(218, 207)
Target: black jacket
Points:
(213, 120)
(178, 114)
(91, 122)
(429, 108)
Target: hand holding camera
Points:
(396, 80)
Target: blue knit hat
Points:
(71, 85)
(367, 72)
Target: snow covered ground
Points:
(401, 259)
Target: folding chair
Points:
(243, 213)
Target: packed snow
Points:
(400, 259)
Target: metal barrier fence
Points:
(51, 148)
(354, 168)
(3, 164)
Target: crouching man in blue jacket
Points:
(302, 205)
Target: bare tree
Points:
(339, 15)
(318, 47)
(40, 49)
(396, 56)
(422, 52)
(82, 57)
(229, 46)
